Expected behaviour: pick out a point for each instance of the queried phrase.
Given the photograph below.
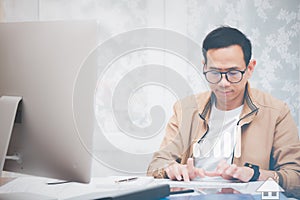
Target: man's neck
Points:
(228, 106)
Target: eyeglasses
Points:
(232, 76)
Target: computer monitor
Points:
(40, 63)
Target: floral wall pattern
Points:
(273, 26)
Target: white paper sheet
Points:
(38, 185)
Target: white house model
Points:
(270, 189)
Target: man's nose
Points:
(224, 82)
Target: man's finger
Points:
(190, 164)
(191, 168)
(212, 173)
(222, 166)
(177, 172)
(231, 170)
(185, 173)
(200, 172)
(169, 174)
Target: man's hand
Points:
(232, 171)
(186, 172)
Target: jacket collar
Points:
(249, 109)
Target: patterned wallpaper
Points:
(273, 26)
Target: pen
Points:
(126, 180)
(181, 191)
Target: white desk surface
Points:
(39, 185)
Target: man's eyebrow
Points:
(218, 68)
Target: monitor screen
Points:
(40, 62)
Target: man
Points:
(232, 131)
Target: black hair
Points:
(226, 36)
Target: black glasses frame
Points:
(221, 73)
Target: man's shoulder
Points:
(195, 101)
(265, 99)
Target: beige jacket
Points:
(269, 136)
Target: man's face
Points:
(229, 95)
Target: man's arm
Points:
(169, 150)
(285, 158)
(286, 152)
(166, 162)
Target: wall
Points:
(272, 25)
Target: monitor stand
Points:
(8, 115)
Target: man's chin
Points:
(224, 96)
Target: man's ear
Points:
(203, 62)
(251, 67)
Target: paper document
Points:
(39, 185)
(122, 182)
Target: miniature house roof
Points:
(270, 186)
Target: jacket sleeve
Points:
(286, 153)
(170, 149)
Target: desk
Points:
(38, 185)
(72, 190)
(5, 180)
(220, 196)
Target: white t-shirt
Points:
(219, 142)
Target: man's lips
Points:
(224, 92)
